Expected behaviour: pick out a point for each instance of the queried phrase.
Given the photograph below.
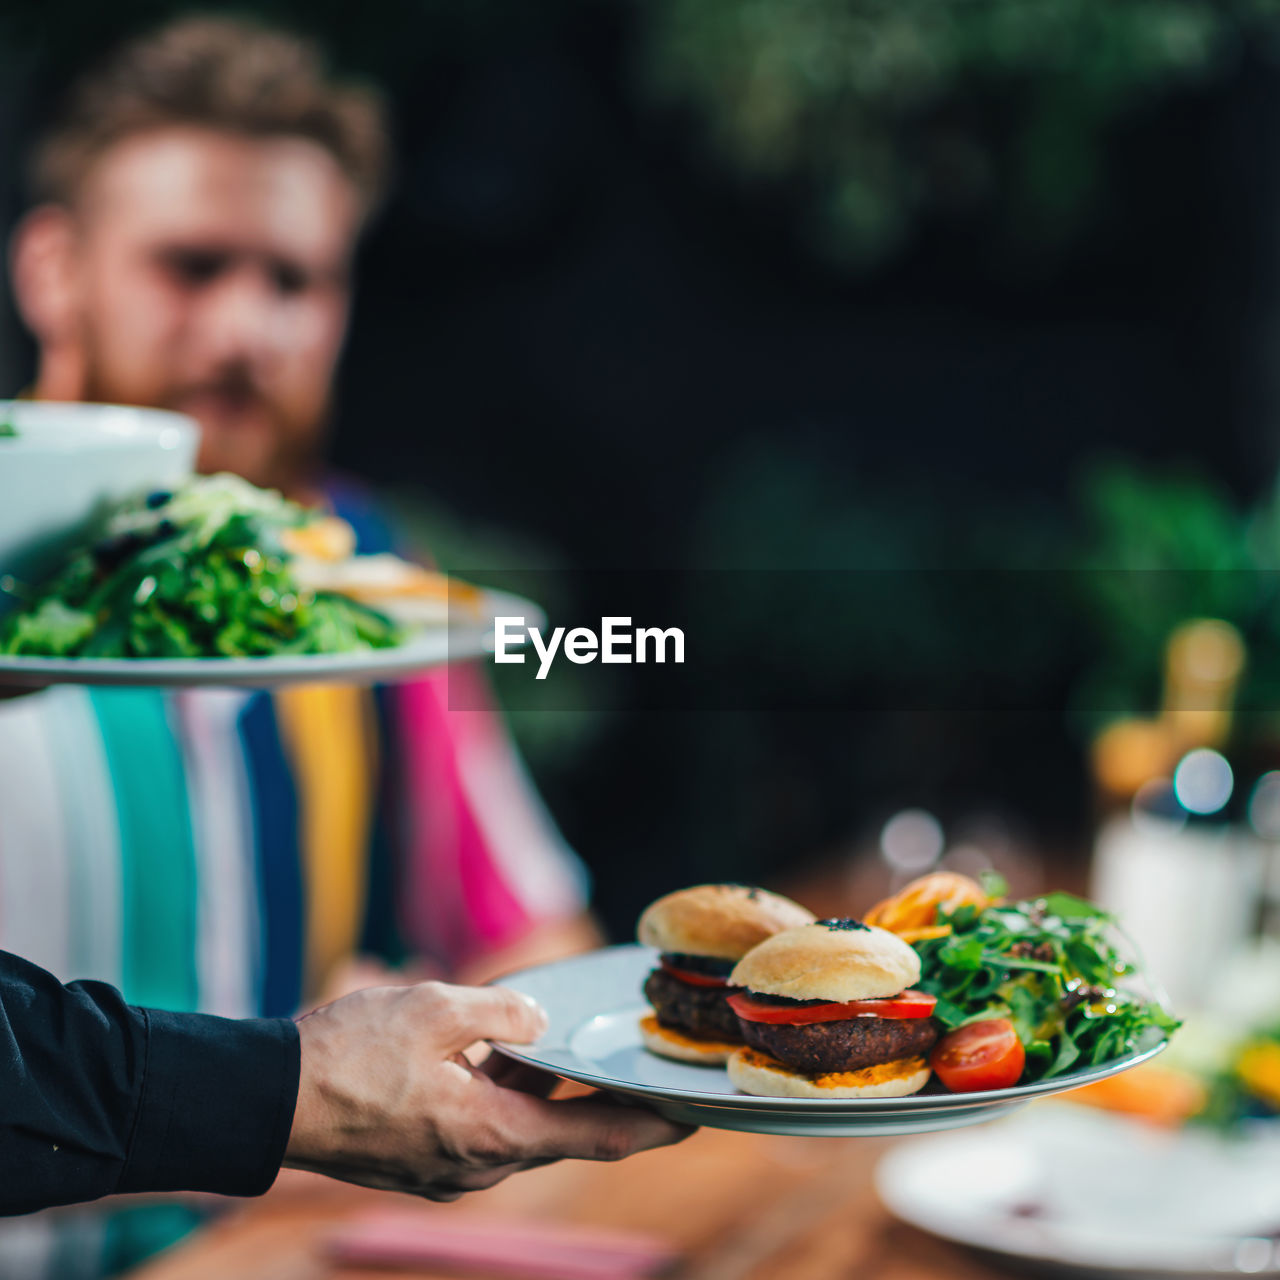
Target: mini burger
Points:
(827, 1011)
(701, 934)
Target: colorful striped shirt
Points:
(224, 851)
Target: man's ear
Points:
(42, 265)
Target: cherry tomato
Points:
(694, 979)
(909, 1004)
(983, 1055)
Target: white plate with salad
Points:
(1025, 962)
(215, 582)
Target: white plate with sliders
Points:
(594, 1003)
(423, 649)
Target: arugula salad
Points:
(207, 570)
(1050, 967)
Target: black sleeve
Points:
(99, 1097)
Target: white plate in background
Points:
(1086, 1190)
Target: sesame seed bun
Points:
(838, 960)
(671, 1044)
(757, 1073)
(720, 920)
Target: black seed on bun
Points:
(829, 960)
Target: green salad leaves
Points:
(1050, 966)
(200, 572)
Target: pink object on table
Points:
(496, 1246)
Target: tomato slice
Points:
(983, 1055)
(909, 1004)
(694, 979)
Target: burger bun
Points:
(723, 921)
(757, 1073)
(667, 1043)
(829, 960)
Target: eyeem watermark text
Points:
(616, 641)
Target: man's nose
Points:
(237, 319)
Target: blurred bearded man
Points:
(197, 206)
(192, 242)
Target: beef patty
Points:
(697, 1011)
(817, 1047)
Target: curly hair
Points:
(221, 73)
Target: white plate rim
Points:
(423, 649)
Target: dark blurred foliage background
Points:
(832, 284)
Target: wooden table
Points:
(738, 1206)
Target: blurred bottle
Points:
(1185, 888)
(1183, 878)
